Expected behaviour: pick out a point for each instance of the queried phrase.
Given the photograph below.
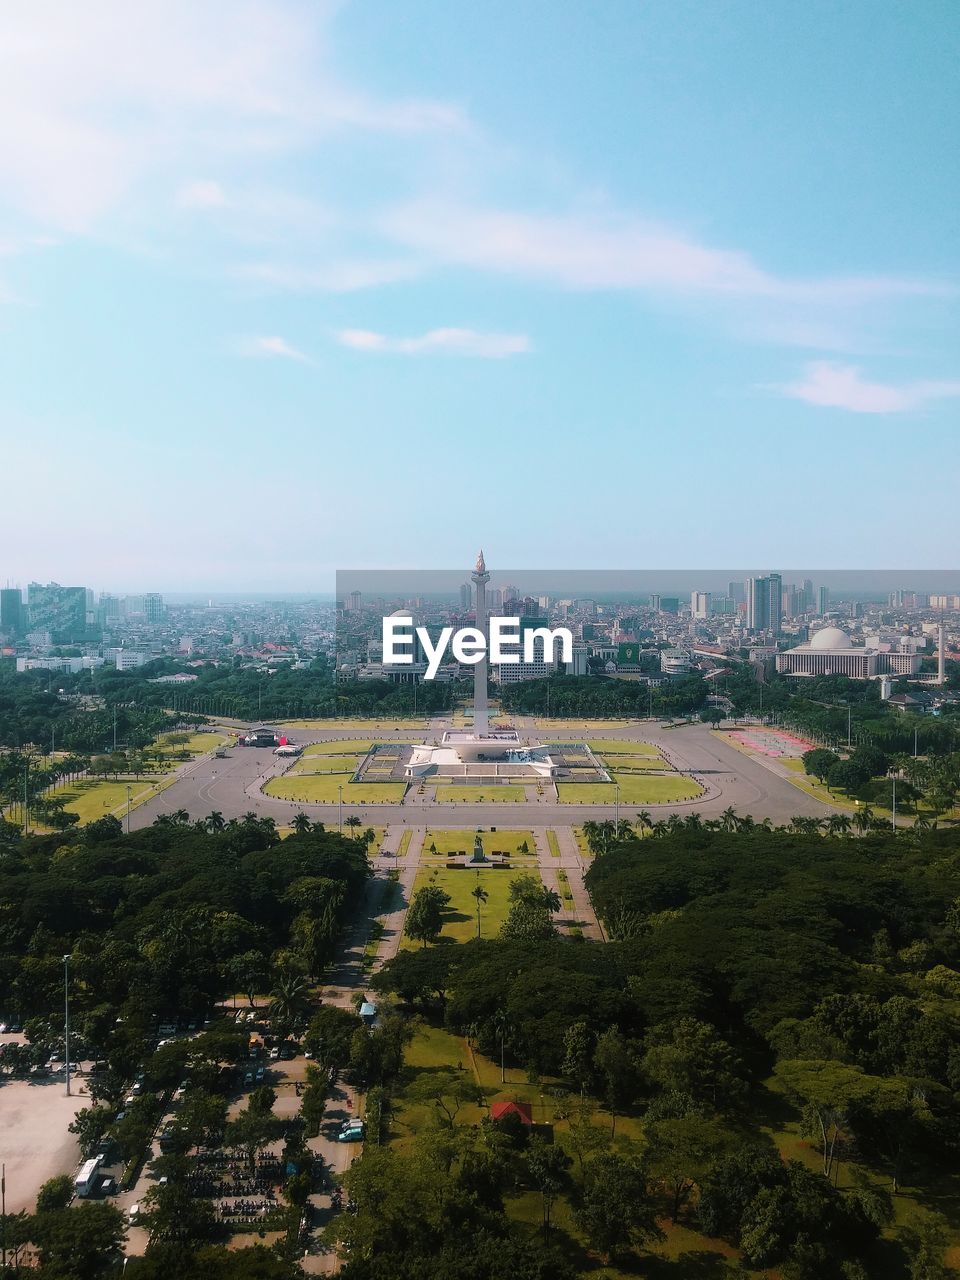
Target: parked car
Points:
(274, 1054)
(248, 1078)
(259, 1074)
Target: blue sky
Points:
(290, 286)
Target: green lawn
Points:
(635, 788)
(619, 747)
(554, 844)
(473, 795)
(448, 842)
(323, 764)
(365, 725)
(93, 800)
(460, 917)
(312, 788)
(340, 747)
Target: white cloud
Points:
(460, 342)
(616, 251)
(838, 386)
(202, 194)
(99, 97)
(272, 346)
(336, 276)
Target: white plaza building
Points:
(831, 652)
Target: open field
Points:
(577, 723)
(34, 1138)
(621, 747)
(635, 788)
(365, 726)
(323, 764)
(474, 795)
(447, 842)
(93, 800)
(312, 788)
(197, 744)
(337, 747)
(460, 916)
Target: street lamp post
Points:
(66, 1020)
(340, 807)
(894, 779)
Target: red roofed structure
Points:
(521, 1109)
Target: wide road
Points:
(731, 779)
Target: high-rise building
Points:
(700, 604)
(59, 611)
(353, 601)
(823, 600)
(808, 596)
(11, 612)
(665, 604)
(466, 597)
(765, 603)
(737, 592)
(153, 607)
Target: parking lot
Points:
(34, 1140)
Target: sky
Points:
(288, 286)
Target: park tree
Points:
(614, 1211)
(329, 1035)
(56, 1193)
(446, 1092)
(548, 1167)
(826, 1090)
(682, 1151)
(425, 914)
(81, 1243)
(578, 1055)
(690, 1057)
(616, 1068)
(818, 762)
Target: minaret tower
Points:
(481, 715)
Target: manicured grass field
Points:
(311, 788)
(93, 800)
(554, 844)
(448, 842)
(363, 725)
(460, 916)
(473, 795)
(323, 764)
(197, 744)
(635, 788)
(576, 724)
(340, 747)
(620, 747)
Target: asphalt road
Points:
(731, 778)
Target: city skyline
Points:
(299, 256)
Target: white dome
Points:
(830, 638)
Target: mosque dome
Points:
(830, 638)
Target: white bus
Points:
(88, 1176)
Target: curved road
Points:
(730, 778)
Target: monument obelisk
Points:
(481, 715)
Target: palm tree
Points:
(214, 822)
(353, 822)
(863, 819)
(301, 824)
(644, 822)
(838, 824)
(289, 1001)
(180, 817)
(729, 819)
(551, 899)
(479, 893)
